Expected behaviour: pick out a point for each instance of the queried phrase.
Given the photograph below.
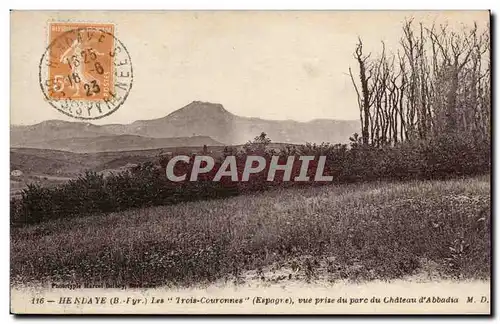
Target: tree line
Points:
(436, 83)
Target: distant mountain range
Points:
(196, 124)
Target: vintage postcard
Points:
(250, 162)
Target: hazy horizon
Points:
(257, 64)
(95, 122)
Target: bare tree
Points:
(437, 83)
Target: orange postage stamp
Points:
(84, 66)
(80, 69)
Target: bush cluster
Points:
(147, 185)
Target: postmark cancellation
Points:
(85, 72)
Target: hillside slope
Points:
(371, 231)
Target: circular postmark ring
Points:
(86, 73)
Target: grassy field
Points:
(64, 163)
(354, 232)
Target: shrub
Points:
(147, 184)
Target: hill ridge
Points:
(197, 118)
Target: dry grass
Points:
(355, 232)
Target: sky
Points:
(268, 64)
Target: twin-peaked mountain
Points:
(196, 124)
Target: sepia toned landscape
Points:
(410, 198)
